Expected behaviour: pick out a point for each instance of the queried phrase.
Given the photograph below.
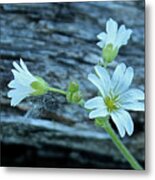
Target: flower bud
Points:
(73, 86)
(73, 94)
(69, 96)
(76, 97)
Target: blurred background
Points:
(58, 42)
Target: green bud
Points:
(69, 96)
(76, 97)
(109, 53)
(40, 86)
(74, 94)
(73, 86)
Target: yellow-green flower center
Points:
(111, 103)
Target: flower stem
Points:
(125, 152)
(57, 90)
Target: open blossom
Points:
(24, 84)
(111, 41)
(116, 97)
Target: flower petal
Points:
(101, 112)
(97, 82)
(126, 80)
(123, 36)
(102, 36)
(125, 120)
(132, 95)
(105, 78)
(17, 96)
(12, 84)
(23, 65)
(134, 106)
(118, 74)
(118, 122)
(19, 87)
(100, 44)
(96, 102)
(17, 67)
(111, 28)
(22, 69)
(22, 78)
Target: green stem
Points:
(57, 90)
(125, 152)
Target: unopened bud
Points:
(73, 86)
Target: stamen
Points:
(111, 103)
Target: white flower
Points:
(116, 97)
(111, 41)
(116, 37)
(24, 84)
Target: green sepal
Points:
(73, 86)
(69, 96)
(74, 94)
(109, 53)
(102, 122)
(74, 97)
(40, 86)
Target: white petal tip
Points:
(122, 135)
(13, 105)
(111, 20)
(130, 133)
(112, 23)
(92, 116)
(14, 63)
(9, 94)
(21, 60)
(22, 63)
(122, 65)
(130, 130)
(9, 84)
(100, 44)
(130, 32)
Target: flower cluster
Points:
(115, 95)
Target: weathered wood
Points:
(58, 42)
